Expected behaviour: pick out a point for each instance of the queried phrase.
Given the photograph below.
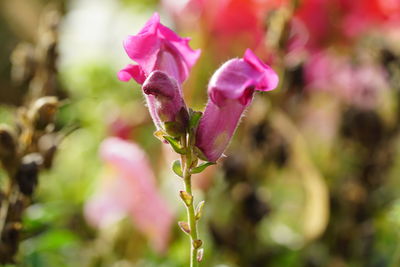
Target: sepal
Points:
(201, 167)
(175, 145)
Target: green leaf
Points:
(201, 167)
(195, 117)
(177, 168)
(175, 145)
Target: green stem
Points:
(186, 162)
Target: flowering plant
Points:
(164, 62)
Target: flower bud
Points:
(230, 91)
(165, 101)
(186, 198)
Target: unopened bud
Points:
(186, 197)
(200, 254)
(42, 112)
(197, 243)
(199, 210)
(184, 227)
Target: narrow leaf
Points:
(199, 210)
(175, 145)
(186, 197)
(184, 227)
(201, 167)
(176, 167)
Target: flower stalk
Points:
(186, 163)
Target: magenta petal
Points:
(163, 96)
(216, 128)
(130, 189)
(160, 84)
(238, 78)
(231, 90)
(156, 47)
(143, 48)
(269, 79)
(132, 71)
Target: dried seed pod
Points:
(27, 174)
(48, 144)
(8, 146)
(23, 63)
(42, 113)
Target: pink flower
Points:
(230, 25)
(164, 62)
(130, 189)
(156, 47)
(342, 21)
(230, 91)
(360, 85)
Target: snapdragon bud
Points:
(230, 91)
(165, 102)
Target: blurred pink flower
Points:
(360, 85)
(341, 21)
(129, 189)
(226, 23)
(165, 60)
(230, 91)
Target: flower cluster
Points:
(164, 61)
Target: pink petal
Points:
(149, 47)
(238, 78)
(132, 71)
(131, 190)
(163, 96)
(270, 79)
(231, 90)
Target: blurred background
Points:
(311, 178)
